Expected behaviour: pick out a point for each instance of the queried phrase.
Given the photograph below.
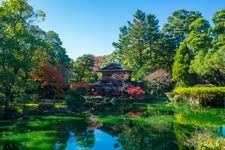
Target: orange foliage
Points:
(48, 76)
(80, 84)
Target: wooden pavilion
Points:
(115, 72)
(114, 82)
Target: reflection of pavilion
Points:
(102, 141)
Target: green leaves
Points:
(137, 43)
(219, 16)
(24, 47)
(83, 69)
(211, 95)
(178, 24)
(206, 48)
(181, 64)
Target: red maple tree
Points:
(49, 78)
(136, 91)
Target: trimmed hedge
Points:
(207, 96)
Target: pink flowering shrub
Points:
(136, 92)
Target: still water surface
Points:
(161, 126)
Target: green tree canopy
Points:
(83, 69)
(181, 66)
(17, 38)
(137, 43)
(178, 24)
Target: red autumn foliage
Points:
(49, 76)
(80, 84)
(136, 91)
(135, 114)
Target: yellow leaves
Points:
(205, 141)
(34, 76)
(20, 27)
(199, 90)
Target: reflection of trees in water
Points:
(85, 138)
(183, 133)
(140, 136)
(84, 131)
(10, 146)
(83, 135)
(186, 133)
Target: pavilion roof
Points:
(113, 67)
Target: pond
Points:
(158, 126)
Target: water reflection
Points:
(221, 131)
(140, 136)
(161, 127)
(10, 146)
(103, 140)
(127, 135)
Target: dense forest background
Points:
(186, 51)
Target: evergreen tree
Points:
(152, 33)
(83, 69)
(137, 44)
(181, 66)
(199, 42)
(178, 24)
(121, 47)
(137, 30)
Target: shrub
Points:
(80, 84)
(81, 91)
(170, 95)
(74, 102)
(74, 97)
(12, 112)
(35, 97)
(159, 81)
(214, 96)
(174, 97)
(25, 98)
(149, 95)
(136, 92)
(44, 107)
(178, 98)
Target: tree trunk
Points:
(8, 95)
(140, 54)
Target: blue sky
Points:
(90, 26)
